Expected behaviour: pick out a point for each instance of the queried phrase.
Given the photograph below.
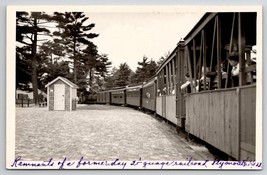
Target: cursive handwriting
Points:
(243, 163)
(117, 163)
(134, 164)
(19, 163)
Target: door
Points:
(59, 95)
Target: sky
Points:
(128, 33)
(128, 36)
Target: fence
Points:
(28, 103)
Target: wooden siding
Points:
(159, 106)
(101, 97)
(69, 101)
(98, 97)
(247, 122)
(133, 97)
(213, 117)
(171, 108)
(163, 106)
(51, 98)
(107, 97)
(134, 101)
(118, 97)
(74, 104)
(148, 101)
(67, 97)
(181, 70)
(223, 118)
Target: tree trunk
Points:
(90, 78)
(53, 67)
(34, 64)
(74, 61)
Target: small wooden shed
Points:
(61, 95)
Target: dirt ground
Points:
(100, 132)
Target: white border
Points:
(10, 87)
(10, 59)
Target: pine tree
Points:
(51, 64)
(124, 73)
(94, 65)
(110, 78)
(23, 69)
(28, 26)
(161, 60)
(144, 71)
(74, 33)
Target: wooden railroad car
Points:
(149, 94)
(166, 89)
(118, 96)
(221, 108)
(133, 95)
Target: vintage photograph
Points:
(134, 87)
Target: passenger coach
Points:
(149, 92)
(118, 96)
(221, 71)
(133, 95)
(166, 89)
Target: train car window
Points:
(228, 61)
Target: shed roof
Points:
(64, 80)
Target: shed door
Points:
(59, 95)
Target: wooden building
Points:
(62, 95)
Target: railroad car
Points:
(149, 94)
(118, 96)
(133, 95)
(220, 109)
(104, 97)
(100, 96)
(107, 97)
(166, 89)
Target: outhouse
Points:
(61, 95)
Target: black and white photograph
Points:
(134, 87)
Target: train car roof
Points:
(114, 90)
(199, 26)
(150, 81)
(166, 61)
(170, 57)
(201, 23)
(248, 27)
(134, 87)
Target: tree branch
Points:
(23, 42)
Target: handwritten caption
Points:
(135, 164)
